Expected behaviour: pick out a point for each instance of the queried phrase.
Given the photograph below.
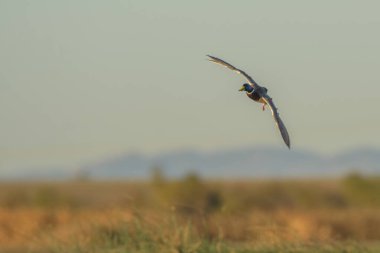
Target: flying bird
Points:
(259, 94)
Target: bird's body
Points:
(255, 97)
(258, 94)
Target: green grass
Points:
(141, 237)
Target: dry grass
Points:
(189, 216)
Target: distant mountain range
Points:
(239, 163)
(267, 162)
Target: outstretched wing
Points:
(279, 123)
(239, 71)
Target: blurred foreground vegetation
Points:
(192, 215)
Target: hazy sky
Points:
(82, 80)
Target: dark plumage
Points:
(254, 96)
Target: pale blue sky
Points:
(82, 80)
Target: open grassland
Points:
(192, 215)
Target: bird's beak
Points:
(242, 88)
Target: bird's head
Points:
(246, 87)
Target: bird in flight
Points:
(259, 94)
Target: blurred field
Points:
(192, 215)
